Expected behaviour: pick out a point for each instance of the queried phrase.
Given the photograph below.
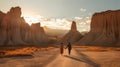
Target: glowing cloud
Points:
(83, 24)
(78, 18)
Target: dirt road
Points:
(73, 60)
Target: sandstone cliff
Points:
(1, 34)
(105, 29)
(10, 27)
(38, 35)
(15, 31)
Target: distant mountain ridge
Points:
(54, 32)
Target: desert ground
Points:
(50, 57)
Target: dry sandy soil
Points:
(29, 57)
(109, 58)
(50, 57)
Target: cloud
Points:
(83, 9)
(78, 18)
(57, 23)
(83, 23)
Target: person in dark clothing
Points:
(61, 48)
(69, 47)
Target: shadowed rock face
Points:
(1, 17)
(105, 29)
(73, 26)
(25, 29)
(1, 34)
(73, 35)
(38, 35)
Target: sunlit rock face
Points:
(10, 26)
(105, 29)
(73, 35)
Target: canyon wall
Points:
(38, 35)
(105, 29)
(15, 31)
(10, 27)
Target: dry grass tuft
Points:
(26, 51)
(97, 48)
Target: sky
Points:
(59, 14)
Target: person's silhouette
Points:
(61, 48)
(69, 47)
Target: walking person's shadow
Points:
(83, 58)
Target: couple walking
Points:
(69, 47)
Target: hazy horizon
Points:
(58, 14)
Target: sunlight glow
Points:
(31, 20)
(64, 23)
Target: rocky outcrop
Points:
(10, 27)
(15, 31)
(38, 35)
(73, 26)
(105, 29)
(73, 35)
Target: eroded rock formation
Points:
(73, 26)
(15, 31)
(38, 35)
(73, 35)
(105, 29)
(10, 27)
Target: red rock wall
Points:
(104, 29)
(10, 26)
(2, 39)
